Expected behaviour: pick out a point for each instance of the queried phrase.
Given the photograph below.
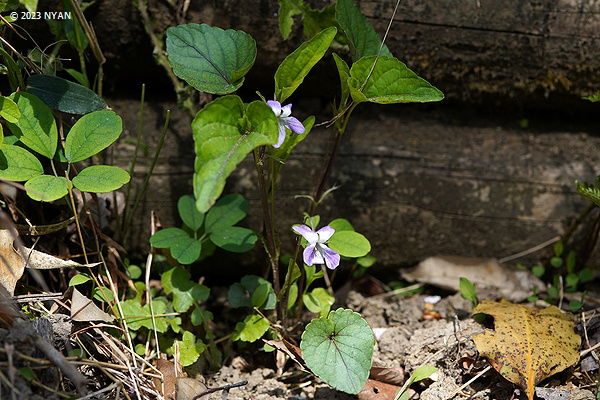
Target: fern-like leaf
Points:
(589, 192)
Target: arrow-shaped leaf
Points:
(297, 65)
(210, 59)
(363, 39)
(224, 133)
(389, 82)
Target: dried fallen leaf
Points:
(392, 375)
(84, 309)
(170, 373)
(527, 345)
(189, 388)
(375, 390)
(11, 263)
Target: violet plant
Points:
(338, 345)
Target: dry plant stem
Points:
(486, 369)
(529, 251)
(226, 388)
(92, 39)
(149, 296)
(288, 281)
(269, 232)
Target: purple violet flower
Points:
(317, 252)
(285, 120)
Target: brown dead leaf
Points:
(11, 263)
(189, 388)
(84, 309)
(392, 375)
(527, 345)
(170, 376)
(290, 349)
(375, 390)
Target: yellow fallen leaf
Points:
(527, 345)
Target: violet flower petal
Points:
(325, 233)
(294, 124)
(331, 258)
(275, 106)
(311, 236)
(311, 255)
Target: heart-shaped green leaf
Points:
(224, 134)
(390, 82)
(339, 349)
(91, 134)
(17, 164)
(210, 59)
(36, 127)
(100, 179)
(138, 316)
(46, 187)
(362, 38)
(63, 95)
(297, 65)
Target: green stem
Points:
(135, 153)
(269, 232)
(148, 175)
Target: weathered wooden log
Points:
(416, 181)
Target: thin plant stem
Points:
(135, 152)
(269, 232)
(148, 175)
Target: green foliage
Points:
(100, 179)
(252, 291)
(589, 192)
(47, 187)
(251, 329)
(186, 244)
(389, 82)
(297, 65)
(190, 349)
(186, 293)
(349, 244)
(63, 95)
(210, 59)
(419, 374)
(339, 349)
(225, 131)
(362, 39)
(91, 134)
(467, 290)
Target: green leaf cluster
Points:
(35, 134)
(202, 232)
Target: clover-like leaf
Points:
(228, 211)
(189, 213)
(46, 187)
(185, 292)
(190, 349)
(235, 239)
(251, 329)
(138, 316)
(63, 95)
(17, 164)
(168, 237)
(389, 82)
(36, 127)
(224, 133)
(91, 134)
(362, 38)
(9, 110)
(210, 59)
(339, 349)
(297, 65)
(100, 179)
(187, 250)
(349, 244)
